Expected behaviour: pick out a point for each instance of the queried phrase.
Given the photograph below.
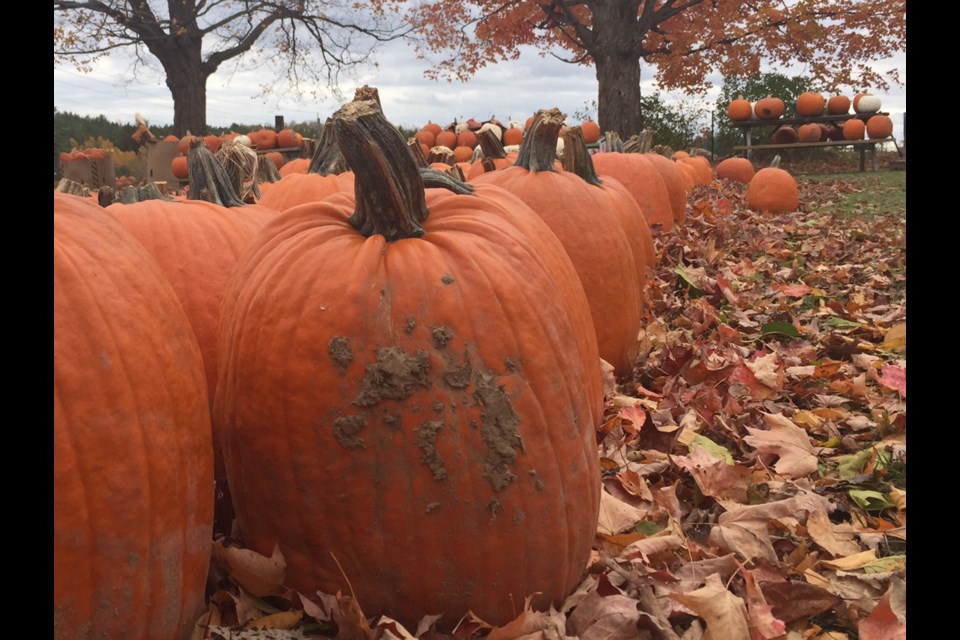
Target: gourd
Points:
(132, 445)
(418, 389)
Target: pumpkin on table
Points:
(418, 389)
(132, 446)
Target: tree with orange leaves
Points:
(682, 40)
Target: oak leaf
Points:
(257, 574)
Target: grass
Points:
(869, 194)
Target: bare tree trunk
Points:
(188, 87)
(618, 106)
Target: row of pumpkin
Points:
(396, 383)
(810, 104)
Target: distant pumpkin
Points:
(879, 127)
(810, 104)
(773, 190)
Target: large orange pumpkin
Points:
(838, 105)
(642, 179)
(853, 129)
(596, 245)
(413, 395)
(132, 445)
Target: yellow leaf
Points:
(849, 563)
(896, 338)
(281, 620)
(899, 498)
(806, 418)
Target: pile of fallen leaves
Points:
(754, 468)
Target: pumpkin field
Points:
(581, 393)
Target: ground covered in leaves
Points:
(754, 468)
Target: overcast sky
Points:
(512, 89)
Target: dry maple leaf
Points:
(787, 441)
(724, 613)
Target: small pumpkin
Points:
(810, 132)
(838, 105)
(879, 127)
(810, 104)
(770, 108)
(739, 109)
(773, 190)
(866, 103)
(591, 131)
(785, 135)
(853, 129)
(736, 169)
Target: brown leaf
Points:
(838, 540)
(612, 616)
(763, 624)
(616, 516)
(793, 600)
(529, 623)
(280, 620)
(724, 613)
(892, 378)
(257, 574)
(788, 442)
(651, 546)
(714, 476)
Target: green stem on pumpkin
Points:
(391, 200)
(539, 149)
(576, 158)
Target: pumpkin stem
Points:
(391, 200)
(576, 158)
(66, 185)
(613, 142)
(775, 163)
(327, 157)
(490, 145)
(208, 178)
(452, 180)
(539, 149)
(414, 145)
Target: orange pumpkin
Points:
(132, 445)
(363, 400)
(591, 131)
(770, 108)
(639, 175)
(599, 251)
(838, 105)
(810, 132)
(785, 135)
(853, 129)
(739, 110)
(879, 127)
(773, 190)
(810, 104)
(736, 169)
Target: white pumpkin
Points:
(867, 104)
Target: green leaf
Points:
(647, 527)
(886, 565)
(780, 328)
(871, 500)
(687, 279)
(852, 465)
(837, 322)
(714, 449)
